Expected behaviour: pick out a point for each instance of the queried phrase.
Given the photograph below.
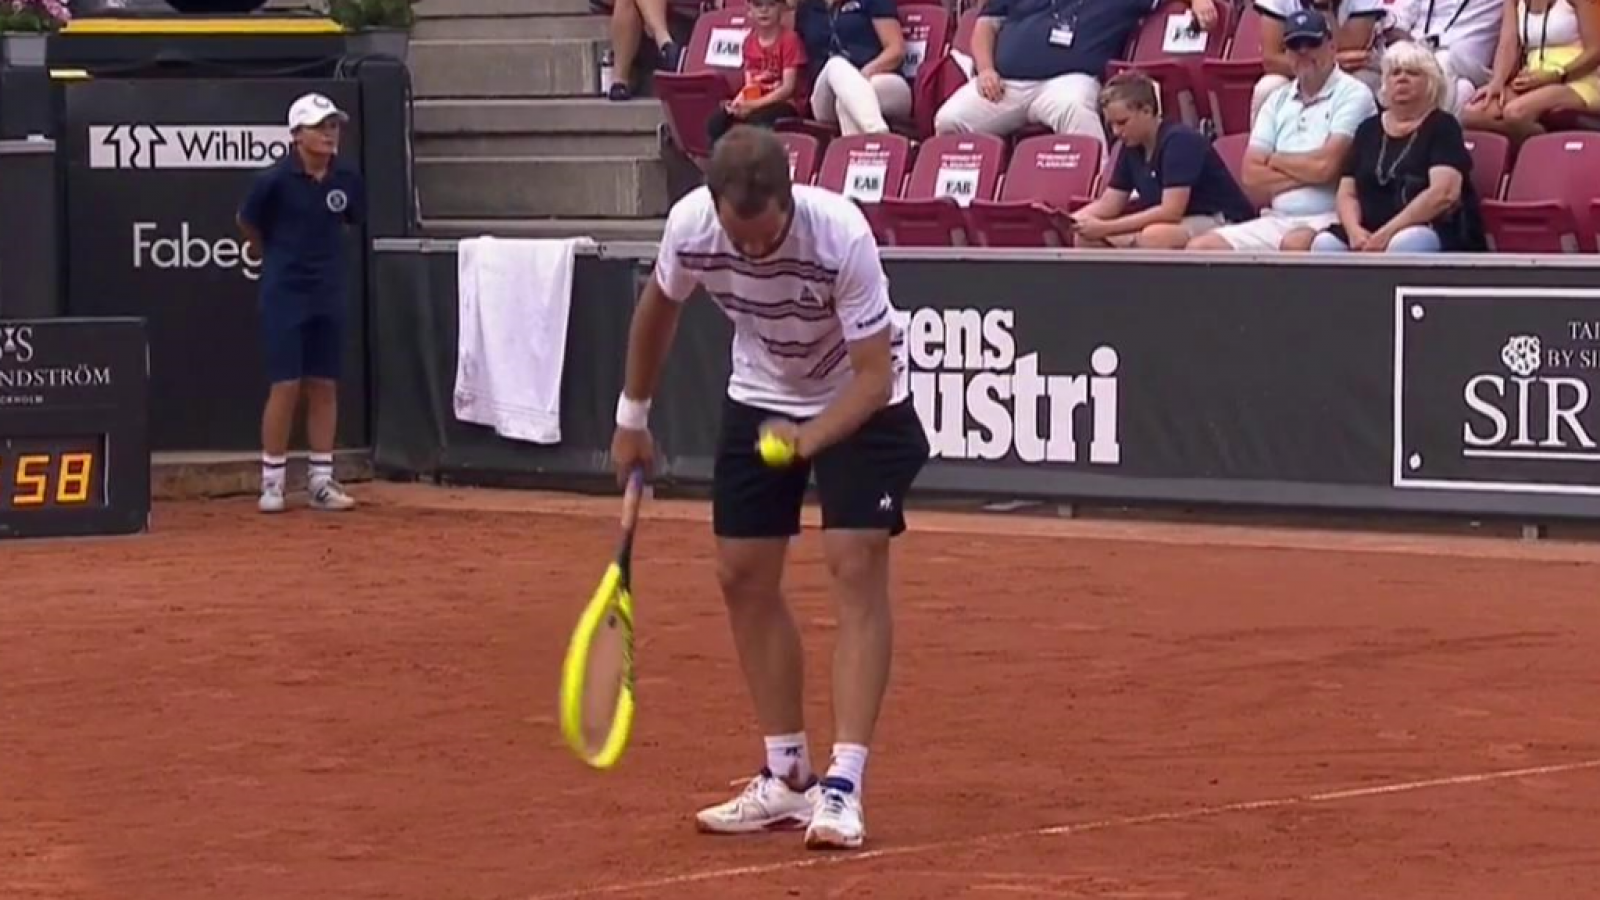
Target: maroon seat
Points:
(1549, 200)
(951, 172)
(1049, 176)
(1491, 156)
(1172, 57)
(865, 167)
(1232, 148)
(947, 76)
(1230, 82)
(713, 72)
(803, 153)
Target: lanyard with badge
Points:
(1434, 38)
(1064, 16)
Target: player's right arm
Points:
(654, 325)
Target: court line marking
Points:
(1183, 815)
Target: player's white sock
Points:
(848, 765)
(272, 469)
(788, 758)
(321, 470)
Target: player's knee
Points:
(858, 562)
(745, 580)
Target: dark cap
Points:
(1306, 25)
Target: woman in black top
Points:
(1407, 185)
(855, 50)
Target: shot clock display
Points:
(39, 472)
(74, 430)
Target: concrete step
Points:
(483, 67)
(538, 127)
(189, 476)
(522, 27)
(525, 187)
(602, 230)
(449, 9)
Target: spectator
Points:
(1298, 144)
(1407, 185)
(1545, 62)
(629, 21)
(853, 51)
(773, 59)
(1041, 61)
(1356, 39)
(1184, 187)
(1462, 35)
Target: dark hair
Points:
(1133, 89)
(749, 169)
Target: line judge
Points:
(294, 218)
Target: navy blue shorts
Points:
(862, 481)
(302, 347)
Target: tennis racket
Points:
(597, 678)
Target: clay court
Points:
(363, 706)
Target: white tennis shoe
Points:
(837, 822)
(330, 496)
(767, 803)
(271, 500)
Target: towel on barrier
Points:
(512, 309)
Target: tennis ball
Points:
(775, 451)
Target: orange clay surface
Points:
(237, 707)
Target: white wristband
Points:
(632, 414)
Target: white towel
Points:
(513, 299)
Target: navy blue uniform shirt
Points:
(1099, 30)
(302, 223)
(1183, 158)
(845, 30)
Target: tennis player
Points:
(818, 356)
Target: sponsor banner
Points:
(147, 146)
(156, 172)
(1497, 389)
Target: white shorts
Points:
(1266, 234)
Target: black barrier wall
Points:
(1440, 386)
(155, 173)
(28, 222)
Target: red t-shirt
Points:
(764, 65)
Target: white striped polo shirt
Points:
(792, 311)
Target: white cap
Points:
(310, 111)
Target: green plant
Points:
(364, 15)
(33, 16)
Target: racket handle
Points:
(630, 497)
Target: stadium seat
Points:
(865, 167)
(1166, 50)
(950, 71)
(1231, 82)
(803, 152)
(713, 72)
(1232, 147)
(1549, 199)
(951, 171)
(1049, 176)
(1491, 154)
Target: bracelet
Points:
(632, 414)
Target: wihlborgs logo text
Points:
(978, 399)
(145, 146)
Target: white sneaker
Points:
(331, 496)
(838, 822)
(766, 804)
(271, 500)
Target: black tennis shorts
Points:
(862, 481)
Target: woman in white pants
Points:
(854, 49)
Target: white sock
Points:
(272, 468)
(788, 758)
(848, 765)
(320, 470)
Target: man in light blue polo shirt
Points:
(1298, 145)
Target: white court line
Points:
(1184, 815)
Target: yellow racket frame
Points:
(610, 597)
